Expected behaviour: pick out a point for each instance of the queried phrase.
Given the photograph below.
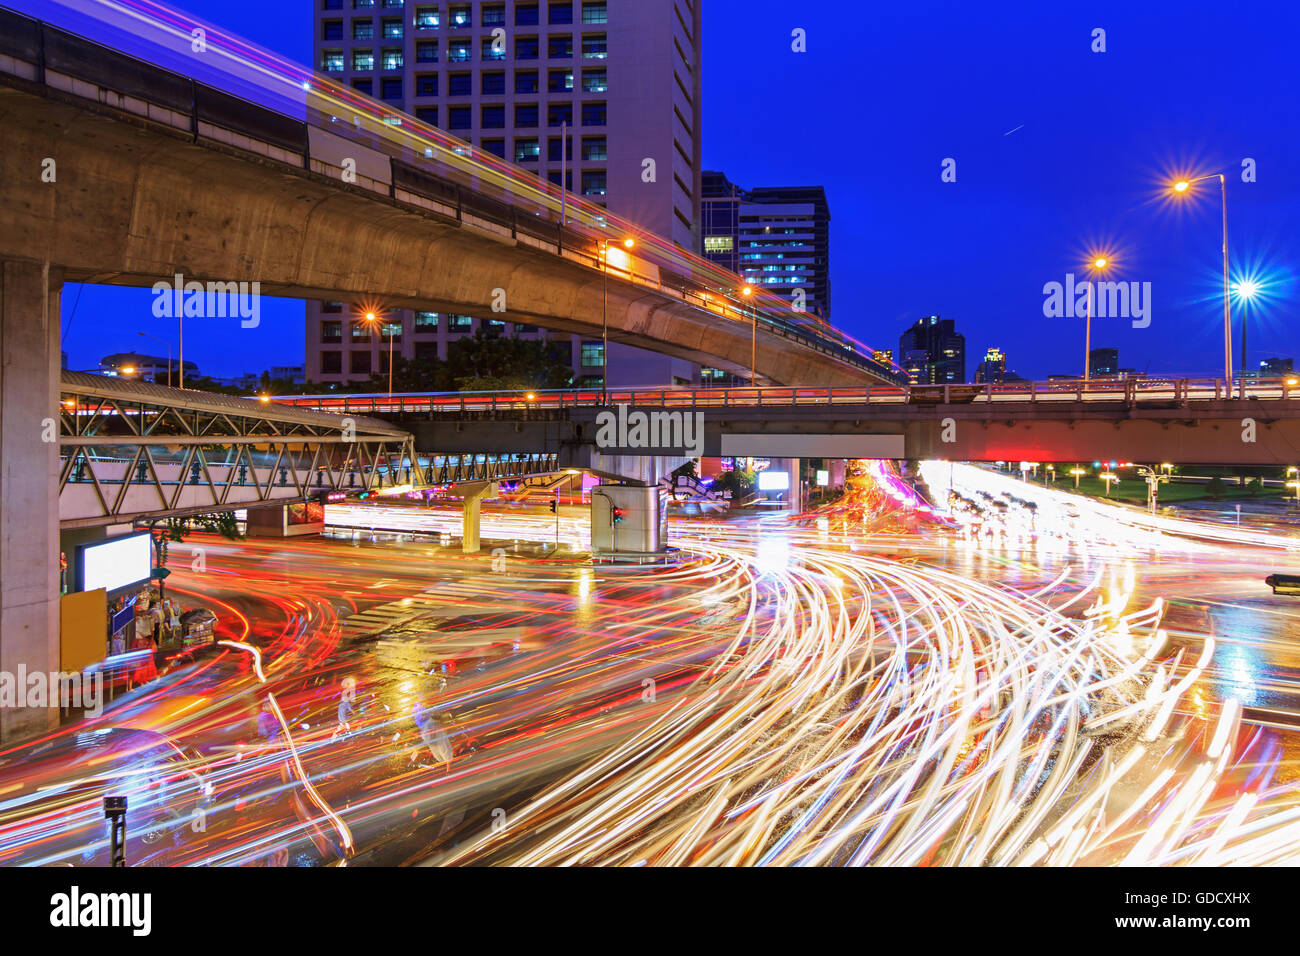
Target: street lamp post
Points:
(1099, 264)
(748, 292)
(1108, 477)
(1245, 290)
(169, 353)
(1180, 188)
(1078, 473)
(373, 319)
(604, 313)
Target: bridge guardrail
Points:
(1128, 392)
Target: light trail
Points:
(829, 688)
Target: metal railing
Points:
(1127, 392)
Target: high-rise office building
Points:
(776, 237)
(933, 352)
(1103, 363)
(993, 369)
(618, 78)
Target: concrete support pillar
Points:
(474, 492)
(29, 468)
(643, 528)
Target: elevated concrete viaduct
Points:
(1211, 432)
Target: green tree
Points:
(489, 361)
(412, 375)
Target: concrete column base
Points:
(474, 492)
(643, 528)
(29, 482)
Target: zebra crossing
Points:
(383, 617)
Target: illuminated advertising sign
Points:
(114, 563)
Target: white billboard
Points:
(116, 563)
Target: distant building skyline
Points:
(993, 368)
(776, 238)
(933, 352)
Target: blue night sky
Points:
(884, 94)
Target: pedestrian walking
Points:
(433, 734)
(347, 705)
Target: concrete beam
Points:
(29, 468)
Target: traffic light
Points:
(555, 506)
(617, 514)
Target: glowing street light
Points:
(1078, 473)
(1098, 265)
(1183, 188)
(1245, 290)
(1108, 477)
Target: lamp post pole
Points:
(1099, 265)
(1227, 302)
(748, 292)
(628, 243)
(1180, 188)
(604, 319)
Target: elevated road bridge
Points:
(1192, 421)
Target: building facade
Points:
(1103, 363)
(145, 368)
(933, 352)
(777, 238)
(607, 89)
(993, 369)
